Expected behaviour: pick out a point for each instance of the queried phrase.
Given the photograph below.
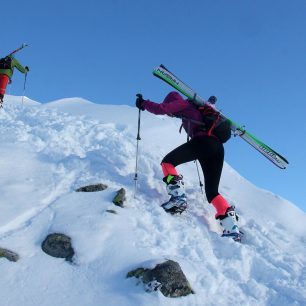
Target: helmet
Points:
(212, 99)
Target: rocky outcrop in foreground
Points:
(166, 277)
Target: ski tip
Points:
(24, 45)
(158, 67)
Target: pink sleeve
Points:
(172, 104)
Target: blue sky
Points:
(250, 54)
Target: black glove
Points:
(212, 99)
(140, 102)
(27, 68)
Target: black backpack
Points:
(215, 124)
(6, 62)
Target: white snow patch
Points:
(49, 150)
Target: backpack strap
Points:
(208, 110)
(180, 130)
(213, 125)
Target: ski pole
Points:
(137, 147)
(24, 87)
(200, 182)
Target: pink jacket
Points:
(175, 105)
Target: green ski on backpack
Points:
(163, 73)
(6, 62)
(18, 49)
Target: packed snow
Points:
(50, 150)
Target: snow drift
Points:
(50, 150)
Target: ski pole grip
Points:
(139, 102)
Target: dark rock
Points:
(111, 211)
(136, 273)
(120, 197)
(58, 245)
(167, 277)
(9, 255)
(92, 188)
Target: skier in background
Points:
(208, 149)
(7, 65)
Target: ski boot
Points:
(177, 202)
(1, 100)
(229, 223)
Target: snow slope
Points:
(49, 150)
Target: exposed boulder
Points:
(111, 211)
(92, 188)
(9, 255)
(167, 277)
(58, 245)
(120, 197)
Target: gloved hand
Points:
(212, 99)
(140, 102)
(27, 68)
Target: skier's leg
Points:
(4, 79)
(212, 169)
(210, 153)
(176, 189)
(168, 169)
(174, 181)
(180, 155)
(220, 205)
(211, 158)
(229, 223)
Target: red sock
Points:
(168, 169)
(220, 205)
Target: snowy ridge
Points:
(49, 150)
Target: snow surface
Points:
(49, 150)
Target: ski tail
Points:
(277, 159)
(164, 74)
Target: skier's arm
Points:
(172, 104)
(16, 64)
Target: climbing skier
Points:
(7, 65)
(208, 149)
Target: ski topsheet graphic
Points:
(163, 73)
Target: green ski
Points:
(18, 49)
(163, 73)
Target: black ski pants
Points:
(210, 153)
